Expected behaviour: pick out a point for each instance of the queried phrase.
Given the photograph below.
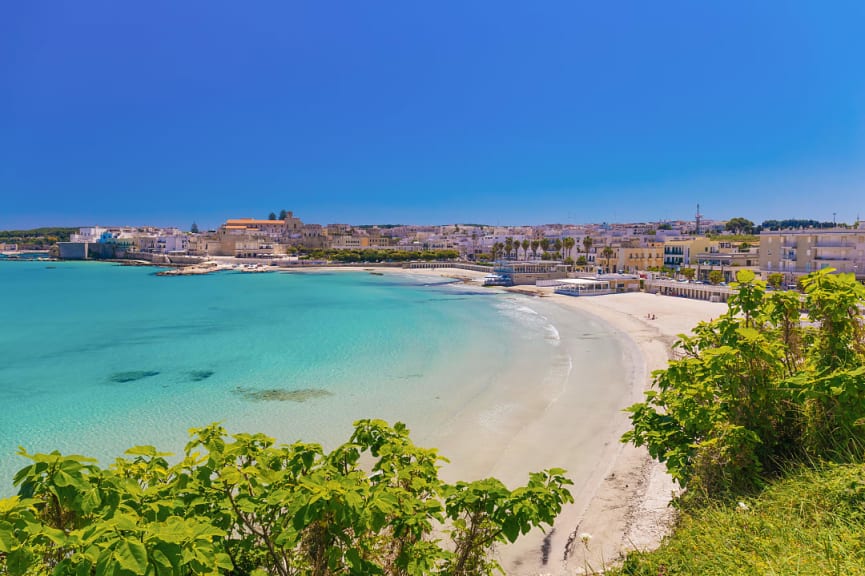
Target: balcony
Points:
(834, 244)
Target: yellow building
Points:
(633, 259)
(680, 254)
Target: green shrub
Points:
(244, 505)
(759, 386)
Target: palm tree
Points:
(525, 245)
(557, 246)
(545, 244)
(535, 245)
(568, 243)
(608, 253)
(587, 245)
(509, 246)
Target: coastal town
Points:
(695, 258)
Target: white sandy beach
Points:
(625, 506)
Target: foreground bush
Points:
(761, 386)
(243, 505)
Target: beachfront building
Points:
(171, 243)
(796, 253)
(598, 285)
(582, 287)
(684, 253)
(633, 257)
(691, 290)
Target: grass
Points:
(810, 523)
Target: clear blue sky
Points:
(430, 112)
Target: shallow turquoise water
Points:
(95, 358)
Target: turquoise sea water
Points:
(97, 357)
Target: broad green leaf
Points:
(8, 542)
(19, 561)
(131, 555)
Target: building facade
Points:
(796, 253)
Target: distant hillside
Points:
(36, 236)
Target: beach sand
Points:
(624, 503)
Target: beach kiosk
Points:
(582, 287)
(502, 275)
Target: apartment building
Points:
(795, 253)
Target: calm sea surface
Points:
(96, 358)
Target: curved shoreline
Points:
(625, 507)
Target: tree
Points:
(716, 277)
(581, 261)
(283, 214)
(509, 246)
(535, 245)
(775, 280)
(688, 273)
(568, 244)
(194, 228)
(271, 216)
(557, 245)
(587, 245)
(525, 244)
(242, 504)
(607, 253)
(545, 244)
(739, 225)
